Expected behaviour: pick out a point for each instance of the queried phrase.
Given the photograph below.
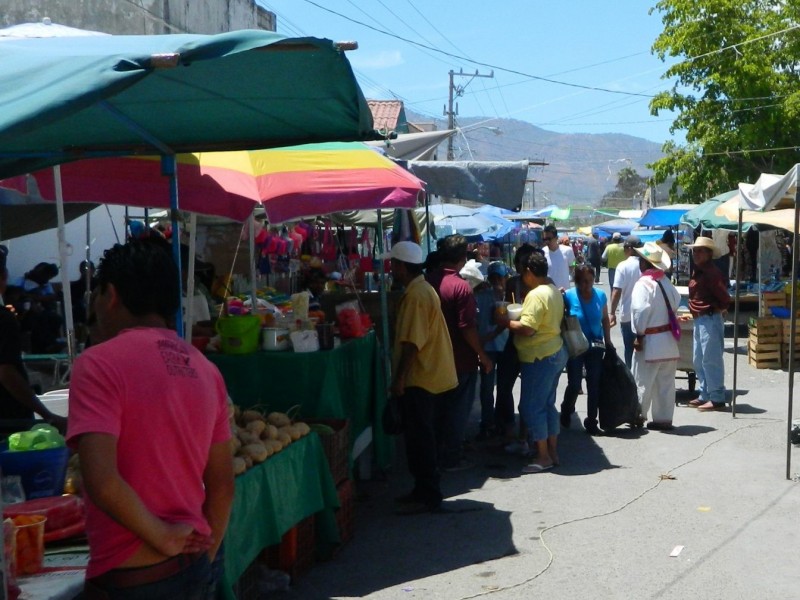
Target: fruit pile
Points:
(256, 436)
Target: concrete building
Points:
(141, 16)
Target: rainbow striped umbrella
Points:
(290, 182)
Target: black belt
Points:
(134, 576)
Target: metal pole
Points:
(63, 257)
(169, 168)
(736, 315)
(387, 363)
(792, 326)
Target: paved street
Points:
(604, 523)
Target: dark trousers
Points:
(592, 360)
(454, 411)
(507, 368)
(419, 408)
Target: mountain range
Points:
(579, 167)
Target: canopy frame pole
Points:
(385, 351)
(427, 223)
(251, 226)
(188, 314)
(736, 315)
(69, 324)
(169, 168)
(792, 327)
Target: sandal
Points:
(695, 403)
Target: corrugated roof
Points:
(388, 115)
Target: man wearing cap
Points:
(17, 399)
(461, 315)
(423, 369)
(613, 255)
(708, 302)
(656, 347)
(625, 277)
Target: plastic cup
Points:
(30, 543)
(325, 333)
(501, 307)
(514, 311)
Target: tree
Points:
(736, 92)
(630, 186)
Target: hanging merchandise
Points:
(328, 244)
(367, 261)
(353, 256)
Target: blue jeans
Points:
(628, 337)
(537, 403)
(192, 583)
(592, 359)
(611, 273)
(454, 418)
(708, 346)
(487, 394)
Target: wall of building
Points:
(141, 16)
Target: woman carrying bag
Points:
(589, 305)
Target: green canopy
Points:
(63, 99)
(704, 214)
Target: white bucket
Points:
(276, 338)
(305, 341)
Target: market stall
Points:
(344, 383)
(271, 498)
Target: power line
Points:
(476, 62)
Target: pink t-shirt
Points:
(166, 404)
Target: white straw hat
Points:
(653, 254)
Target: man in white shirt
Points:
(656, 355)
(625, 277)
(559, 258)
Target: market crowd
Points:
(468, 327)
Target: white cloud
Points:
(381, 60)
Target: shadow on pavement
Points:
(388, 550)
(690, 430)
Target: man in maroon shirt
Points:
(460, 313)
(708, 302)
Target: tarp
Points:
(609, 228)
(664, 216)
(413, 146)
(22, 214)
(488, 182)
(770, 191)
(781, 219)
(68, 99)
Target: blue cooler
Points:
(42, 471)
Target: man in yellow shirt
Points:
(613, 255)
(423, 370)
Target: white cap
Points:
(407, 252)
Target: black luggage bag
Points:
(619, 397)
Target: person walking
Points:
(559, 258)
(423, 371)
(588, 303)
(625, 277)
(613, 255)
(158, 501)
(655, 357)
(708, 303)
(542, 355)
(594, 254)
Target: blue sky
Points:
(580, 42)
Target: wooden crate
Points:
(771, 300)
(336, 447)
(785, 356)
(763, 358)
(766, 330)
(786, 325)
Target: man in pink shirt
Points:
(148, 417)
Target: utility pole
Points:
(454, 92)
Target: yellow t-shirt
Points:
(615, 254)
(420, 322)
(542, 311)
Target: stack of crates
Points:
(764, 344)
(771, 300)
(786, 338)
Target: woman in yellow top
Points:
(537, 336)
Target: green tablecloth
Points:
(273, 497)
(344, 383)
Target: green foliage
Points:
(736, 92)
(630, 185)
